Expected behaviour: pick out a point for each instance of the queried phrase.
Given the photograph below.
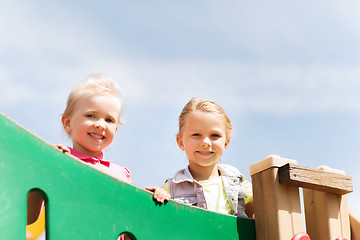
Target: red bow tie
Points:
(94, 161)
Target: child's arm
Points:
(249, 206)
(160, 194)
(249, 209)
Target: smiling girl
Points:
(204, 134)
(91, 119)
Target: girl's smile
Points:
(205, 153)
(96, 135)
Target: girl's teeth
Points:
(96, 136)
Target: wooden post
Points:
(354, 226)
(276, 206)
(326, 213)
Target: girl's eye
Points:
(196, 134)
(215, 136)
(109, 120)
(89, 115)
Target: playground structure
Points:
(277, 205)
(82, 203)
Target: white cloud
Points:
(282, 89)
(14, 93)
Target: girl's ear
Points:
(227, 142)
(66, 123)
(180, 142)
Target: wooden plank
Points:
(277, 206)
(315, 179)
(270, 161)
(355, 226)
(326, 215)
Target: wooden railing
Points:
(277, 206)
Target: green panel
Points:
(86, 204)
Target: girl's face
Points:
(93, 124)
(203, 138)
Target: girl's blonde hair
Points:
(204, 105)
(94, 84)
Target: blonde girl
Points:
(91, 119)
(204, 134)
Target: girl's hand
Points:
(160, 194)
(249, 209)
(63, 148)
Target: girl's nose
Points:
(206, 142)
(100, 124)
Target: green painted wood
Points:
(83, 203)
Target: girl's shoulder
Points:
(119, 168)
(183, 174)
(229, 170)
(119, 172)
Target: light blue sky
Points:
(286, 72)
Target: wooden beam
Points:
(277, 206)
(315, 179)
